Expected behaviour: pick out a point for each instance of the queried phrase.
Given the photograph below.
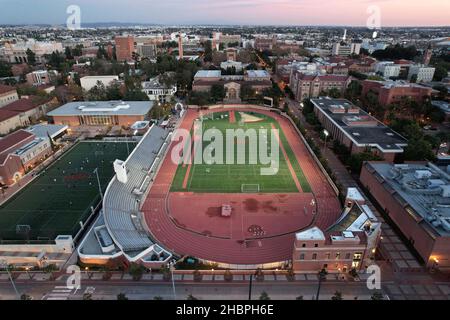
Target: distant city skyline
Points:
(237, 12)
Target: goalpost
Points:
(250, 188)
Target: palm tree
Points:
(322, 276)
(337, 296)
(25, 297)
(87, 296)
(122, 296)
(377, 296)
(264, 296)
(191, 297)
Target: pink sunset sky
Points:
(262, 12)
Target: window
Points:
(347, 256)
(314, 256)
(327, 256)
(302, 256)
(303, 245)
(316, 245)
(338, 255)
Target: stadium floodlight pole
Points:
(5, 264)
(99, 185)
(126, 141)
(170, 266)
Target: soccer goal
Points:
(250, 188)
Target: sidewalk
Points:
(391, 246)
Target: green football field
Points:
(55, 202)
(230, 178)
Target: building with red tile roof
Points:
(8, 94)
(19, 152)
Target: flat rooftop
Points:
(359, 126)
(103, 108)
(258, 73)
(208, 74)
(424, 190)
(45, 130)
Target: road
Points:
(108, 290)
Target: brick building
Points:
(393, 91)
(307, 86)
(416, 197)
(124, 48)
(348, 244)
(22, 112)
(8, 94)
(19, 152)
(101, 113)
(356, 129)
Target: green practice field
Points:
(55, 202)
(230, 178)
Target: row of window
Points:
(356, 256)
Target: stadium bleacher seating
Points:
(122, 201)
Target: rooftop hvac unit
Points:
(445, 223)
(446, 191)
(422, 174)
(435, 183)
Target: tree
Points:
(208, 51)
(113, 92)
(191, 297)
(337, 296)
(68, 53)
(440, 73)
(217, 92)
(5, 70)
(122, 296)
(97, 93)
(264, 296)
(418, 150)
(353, 91)
(136, 271)
(31, 56)
(355, 161)
(87, 296)
(25, 297)
(299, 298)
(377, 296)
(396, 52)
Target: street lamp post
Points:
(5, 265)
(322, 275)
(250, 287)
(27, 269)
(171, 267)
(99, 185)
(326, 134)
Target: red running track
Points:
(234, 250)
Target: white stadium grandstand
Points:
(119, 229)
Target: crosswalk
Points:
(59, 293)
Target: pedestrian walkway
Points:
(391, 246)
(59, 293)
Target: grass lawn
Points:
(228, 178)
(61, 197)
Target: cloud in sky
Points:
(280, 12)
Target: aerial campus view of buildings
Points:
(89, 122)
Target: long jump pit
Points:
(184, 210)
